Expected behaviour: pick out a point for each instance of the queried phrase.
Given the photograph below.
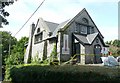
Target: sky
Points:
(103, 12)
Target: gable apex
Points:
(82, 14)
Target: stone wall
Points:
(50, 46)
(38, 49)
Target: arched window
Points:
(38, 30)
(85, 21)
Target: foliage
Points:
(114, 47)
(53, 57)
(52, 60)
(7, 41)
(116, 43)
(17, 54)
(3, 13)
(53, 54)
(35, 60)
(20, 46)
(37, 73)
(7, 72)
(14, 59)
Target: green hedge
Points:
(71, 73)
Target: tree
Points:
(7, 43)
(20, 46)
(17, 53)
(109, 42)
(115, 47)
(116, 43)
(3, 13)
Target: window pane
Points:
(77, 29)
(88, 30)
(84, 29)
(92, 30)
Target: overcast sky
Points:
(103, 12)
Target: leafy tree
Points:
(109, 42)
(20, 46)
(7, 41)
(14, 59)
(3, 13)
(116, 43)
(17, 54)
(115, 47)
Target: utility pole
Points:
(119, 20)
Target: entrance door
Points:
(97, 54)
(77, 51)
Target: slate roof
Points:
(60, 26)
(86, 39)
(52, 26)
(55, 27)
(91, 37)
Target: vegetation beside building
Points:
(72, 72)
(114, 47)
(68, 73)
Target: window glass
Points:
(84, 29)
(39, 37)
(90, 30)
(77, 29)
(38, 30)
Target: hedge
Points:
(71, 73)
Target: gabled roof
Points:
(55, 27)
(89, 39)
(52, 26)
(86, 39)
(60, 26)
(73, 19)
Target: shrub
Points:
(53, 57)
(14, 59)
(37, 73)
(36, 59)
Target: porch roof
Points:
(86, 39)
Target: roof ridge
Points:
(51, 22)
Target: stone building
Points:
(78, 35)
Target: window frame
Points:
(38, 37)
(83, 29)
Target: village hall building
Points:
(78, 35)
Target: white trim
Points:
(65, 48)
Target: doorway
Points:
(77, 51)
(97, 54)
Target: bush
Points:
(14, 59)
(37, 73)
